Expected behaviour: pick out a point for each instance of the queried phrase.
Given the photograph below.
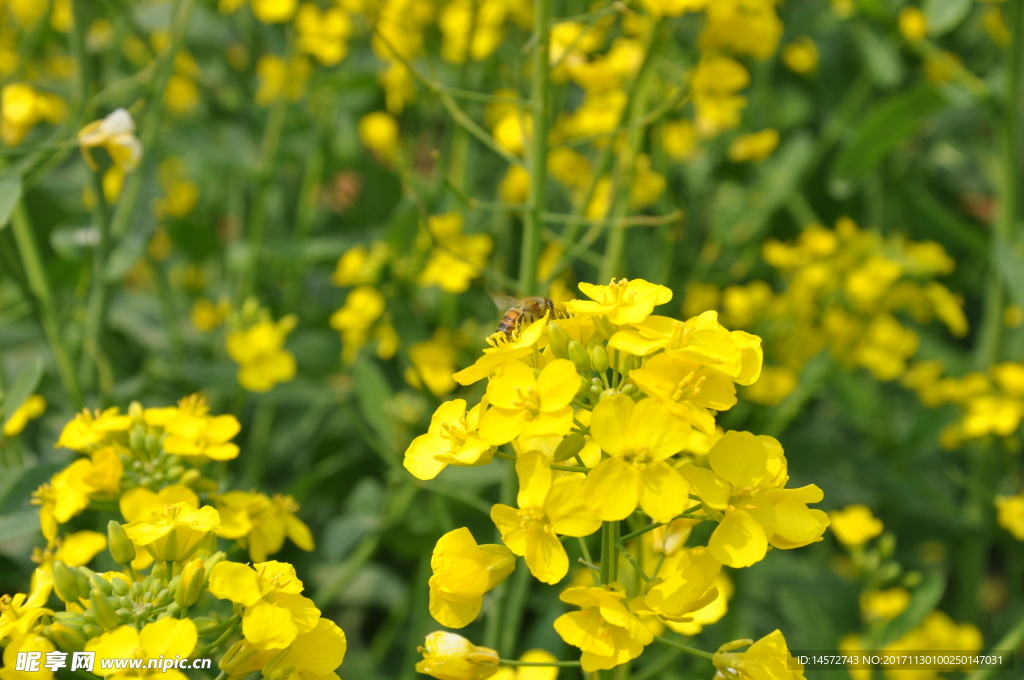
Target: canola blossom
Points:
(596, 410)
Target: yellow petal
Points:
(169, 637)
(534, 474)
(611, 489)
(739, 540)
(740, 458)
(235, 582)
(268, 627)
(663, 492)
(546, 557)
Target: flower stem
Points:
(39, 284)
(533, 225)
(559, 664)
(686, 648)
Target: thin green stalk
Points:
(542, 664)
(529, 253)
(39, 284)
(1008, 643)
(181, 11)
(169, 309)
(515, 607)
(686, 648)
(263, 423)
(632, 562)
(92, 333)
(306, 214)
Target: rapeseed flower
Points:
(754, 147)
(30, 409)
(193, 433)
(322, 33)
(767, 658)
(274, 612)
(261, 523)
(607, 630)
(691, 586)
(452, 439)
(622, 301)
(1010, 514)
(457, 258)
(174, 532)
(526, 403)
(447, 656)
(166, 638)
(462, 572)
(116, 134)
(378, 131)
(22, 107)
(547, 507)
(502, 351)
(638, 438)
(855, 525)
(259, 351)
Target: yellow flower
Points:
(913, 24)
(166, 638)
(775, 384)
(462, 572)
(679, 138)
(767, 658)
(457, 259)
(538, 656)
(938, 632)
(453, 438)
(883, 605)
(547, 507)
(279, 78)
(30, 409)
(746, 27)
(801, 55)
(447, 656)
(21, 644)
(180, 192)
(1010, 514)
(174, 533)
(71, 489)
(691, 391)
(261, 523)
(378, 131)
(116, 134)
(529, 404)
(275, 614)
(607, 632)
(259, 351)
(358, 266)
(515, 185)
(90, 429)
(622, 302)
(273, 11)
(192, 432)
(690, 587)
(74, 550)
(313, 655)
(322, 33)
(855, 525)
(638, 437)
(502, 351)
(207, 315)
(19, 614)
(364, 305)
(22, 108)
(754, 147)
(433, 363)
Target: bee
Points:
(521, 312)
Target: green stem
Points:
(93, 331)
(686, 648)
(632, 561)
(39, 284)
(515, 607)
(306, 213)
(559, 664)
(1009, 642)
(529, 254)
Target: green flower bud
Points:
(91, 631)
(137, 589)
(207, 545)
(191, 583)
(629, 389)
(97, 582)
(65, 583)
(205, 625)
(599, 358)
(578, 355)
(103, 610)
(157, 574)
(237, 656)
(70, 619)
(162, 597)
(137, 439)
(210, 562)
(119, 586)
(67, 638)
(627, 363)
(608, 393)
(595, 392)
(581, 393)
(570, 446)
(121, 547)
(559, 340)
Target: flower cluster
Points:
(147, 463)
(846, 292)
(603, 410)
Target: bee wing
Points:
(505, 302)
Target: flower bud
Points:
(90, 630)
(157, 574)
(207, 545)
(627, 363)
(190, 584)
(97, 582)
(569, 447)
(580, 358)
(448, 656)
(66, 638)
(65, 583)
(103, 611)
(630, 390)
(559, 340)
(205, 625)
(235, 661)
(581, 393)
(212, 561)
(121, 547)
(119, 586)
(599, 358)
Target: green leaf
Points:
(883, 130)
(881, 57)
(24, 385)
(373, 394)
(945, 15)
(10, 192)
(922, 602)
(19, 525)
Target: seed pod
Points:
(559, 340)
(65, 583)
(103, 610)
(570, 446)
(579, 356)
(599, 358)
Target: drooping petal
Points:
(663, 492)
(739, 540)
(611, 489)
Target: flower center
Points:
(528, 400)
(455, 433)
(532, 519)
(688, 387)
